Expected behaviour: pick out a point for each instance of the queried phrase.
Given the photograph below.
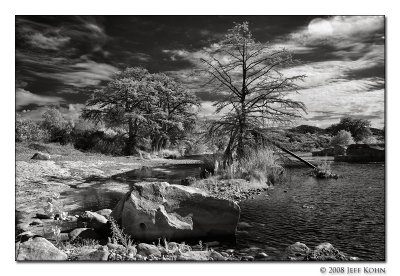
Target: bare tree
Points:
(254, 91)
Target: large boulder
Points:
(155, 210)
(38, 249)
(41, 156)
(366, 153)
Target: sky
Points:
(61, 60)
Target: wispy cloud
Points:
(84, 74)
(24, 97)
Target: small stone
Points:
(26, 236)
(38, 249)
(226, 255)
(217, 256)
(140, 258)
(194, 256)
(104, 212)
(36, 222)
(92, 220)
(247, 258)
(145, 249)
(22, 227)
(297, 251)
(41, 156)
(261, 255)
(72, 218)
(83, 233)
(117, 247)
(95, 255)
(42, 216)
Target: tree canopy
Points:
(254, 92)
(151, 106)
(359, 128)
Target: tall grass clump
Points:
(257, 165)
(261, 165)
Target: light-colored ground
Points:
(36, 180)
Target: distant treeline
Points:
(85, 135)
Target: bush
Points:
(370, 140)
(343, 138)
(58, 127)
(27, 130)
(99, 141)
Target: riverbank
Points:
(78, 173)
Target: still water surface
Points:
(348, 212)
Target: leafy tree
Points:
(172, 111)
(342, 138)
(121, 102)
(359, 128)
(253, 89)
(148, 105)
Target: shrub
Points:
(343, 138)
(370, 140)
(58, 127)
(323, 171)
(99, 141)
(27, 130)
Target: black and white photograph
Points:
(201, 138)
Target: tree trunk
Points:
(130, 147)
(242, 115)
(240, 148)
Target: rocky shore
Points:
(96, 236)
(190, 221)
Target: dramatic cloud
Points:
(62, 59)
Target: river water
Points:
(348, 212)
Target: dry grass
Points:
(258, 165)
